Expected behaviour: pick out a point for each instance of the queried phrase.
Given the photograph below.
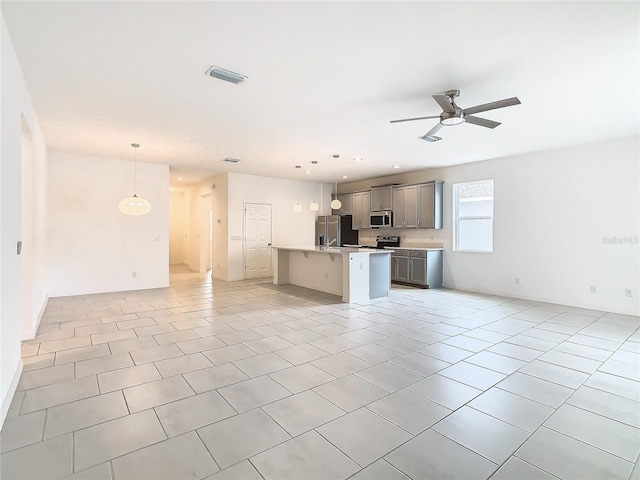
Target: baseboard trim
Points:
(31, 334)
(6, 401)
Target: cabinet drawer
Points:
(418, 253)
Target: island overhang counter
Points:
(355, 274)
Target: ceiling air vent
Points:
(225, 75)
(231, 160)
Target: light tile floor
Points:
(214, 380)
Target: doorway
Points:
(210, 239)
(204, 235)
(257, 240)
(28, 313)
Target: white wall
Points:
(552, 211)
(93, 247)
(16, 108)
(178, 226)
(289, 228)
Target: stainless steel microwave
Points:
(381, 219)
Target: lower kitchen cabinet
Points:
(399, 267)
(422, 268)
(418, 268)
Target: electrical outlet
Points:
(517, 280)
(628, 292)
(594, 289)
(134, 274)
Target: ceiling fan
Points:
(452, 114)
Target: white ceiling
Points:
(324, 78)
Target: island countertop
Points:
(333, 250)
(355, 274)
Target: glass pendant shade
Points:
(134, 205)
(314, 207)
(297, 208)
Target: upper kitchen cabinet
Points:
(405, 206)
(361, 209)
(430, 205)
(347, 204)
(382, 198)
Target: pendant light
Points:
(313, 206)
(335, 203)
(134, 205)
(297, 207)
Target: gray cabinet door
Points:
(426, 206)
(381, 198)
(430, 205)
(356, 210)
(346, 201)
(398, 207)
(365, 210)
(361, 209)
(411, 206)
(394, 275)
(402, 269)
(418, 270)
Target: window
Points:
(473, 216)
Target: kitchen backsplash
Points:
(408, 238)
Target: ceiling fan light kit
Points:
(453, 115)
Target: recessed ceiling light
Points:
(180, 178)
(307, 171)
(298, 166)
(396, 166)
(225, 75)
(344, 176)
(231, 160)
(358, 159)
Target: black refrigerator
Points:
(335, 231)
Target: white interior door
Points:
(257, 240)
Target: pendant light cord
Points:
(135, 168)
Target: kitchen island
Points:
(355, 274)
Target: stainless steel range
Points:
(383, 241)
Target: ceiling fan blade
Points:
(507, 102)
(412, 119)
(444, 103)
(483, 122)
(429, 136)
